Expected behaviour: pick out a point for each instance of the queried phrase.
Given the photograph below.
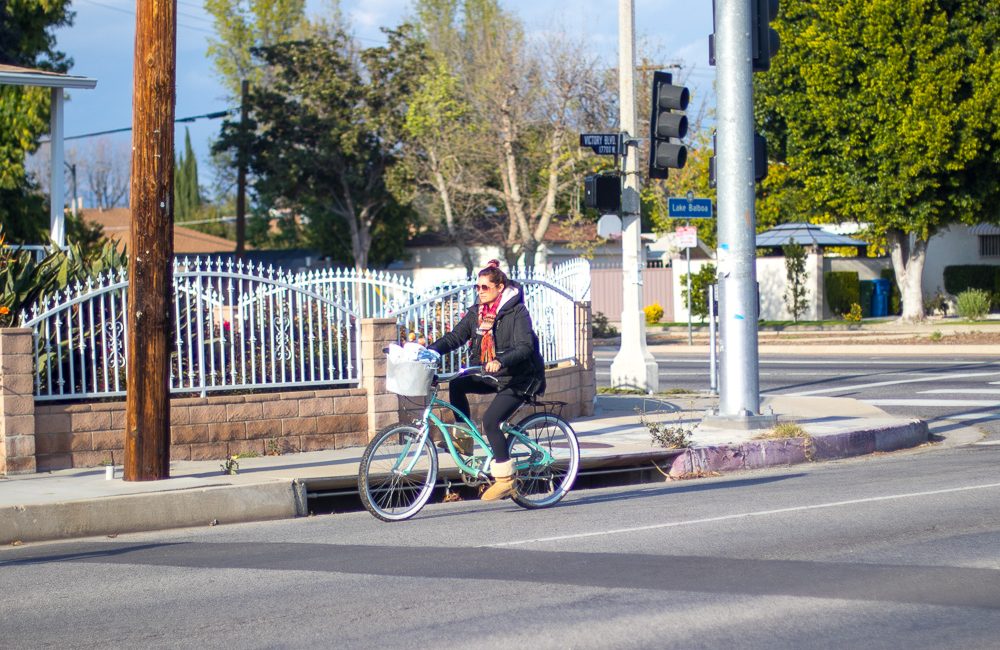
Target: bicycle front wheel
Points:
(397, 477)
(545, 480)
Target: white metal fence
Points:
(573, 276)
(552, 309)
(239, 327)
(235, 327)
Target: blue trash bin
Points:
(880, 298)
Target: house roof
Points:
(806, 234)
(187, 241)
(984, 229)
(13, 75)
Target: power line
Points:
(132, 13)
(209, 116)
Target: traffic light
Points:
(765, 39)
(603, 192)
(762, 12)
(759, 157)
(667, 126)
(759, 160)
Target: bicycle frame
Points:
(428, 418)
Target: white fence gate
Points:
(239, 327)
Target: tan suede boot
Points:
(504, 486)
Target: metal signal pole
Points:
(147, 384)
(739, 394)
(633, 366)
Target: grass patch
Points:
(783, 430)
(612, 390)
(677, 391)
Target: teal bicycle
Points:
(399, 469)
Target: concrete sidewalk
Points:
(81, 503)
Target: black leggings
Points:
(503, 406)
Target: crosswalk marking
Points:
(842, 389)
(962, 391)
(973, 416)
(931, 402)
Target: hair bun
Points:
(493, 263)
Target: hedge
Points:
(960, 278)
(842, 290)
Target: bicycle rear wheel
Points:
(544, 483)
(389, 488)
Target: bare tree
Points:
(527, 106)
(101, 167)
(104, 165)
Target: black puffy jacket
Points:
(517, 349)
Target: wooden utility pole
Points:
(241, 173)
(147, 401)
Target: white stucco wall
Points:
(954, 246)
(773, 282)
(771, 278)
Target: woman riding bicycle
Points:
(499, 328)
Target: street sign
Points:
(689, 208)
(603, 144)
(687, 236)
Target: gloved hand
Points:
(429, 356)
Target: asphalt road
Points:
(891, 551)
(946, 392)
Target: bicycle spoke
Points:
(549, 475)
(387, 489)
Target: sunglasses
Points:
(484, 287)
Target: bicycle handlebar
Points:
(471, 370)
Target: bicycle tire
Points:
(543, 485)
(385, 492)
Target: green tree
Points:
(795, 277)
(241, 26)
(187, 195)
(525, 108)
(324, 140)
(26, 40)
(885, 112)
(701, 280)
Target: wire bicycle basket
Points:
(409, 378)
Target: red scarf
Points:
(487, 315)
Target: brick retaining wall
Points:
(47, 436)
(205, 428)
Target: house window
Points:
(989, 245)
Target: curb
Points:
(286, 499)
(137, 513)
(771, 453)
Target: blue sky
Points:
(101, 43)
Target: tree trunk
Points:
(908, 253)
(449, 214)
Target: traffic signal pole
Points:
(633, 366)
(739, 386)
